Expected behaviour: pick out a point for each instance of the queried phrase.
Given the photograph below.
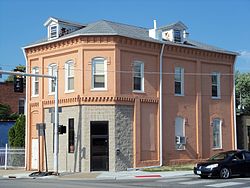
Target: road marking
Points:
(196, 182)
(173, 180)
(225, 184)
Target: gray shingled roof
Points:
(108, 28)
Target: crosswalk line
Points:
(196, 182)
(226, 184)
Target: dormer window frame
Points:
(176, 32)
(50, 37)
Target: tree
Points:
(10, 78)
(242, 92)
(17, 133)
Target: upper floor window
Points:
(180, 139)
(53, 31)
(21, 104)
(217, 133)
(52, 72)
(179, 81)
(99, 73)
(138, 76)
(215, 85)
(35, 82)
(69, 76)
(177, 35)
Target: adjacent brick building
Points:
(130, 96)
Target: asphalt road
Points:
(180, 182)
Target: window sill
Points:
(50, 94)
(217, 149)
(34, 96)
(99, 89)
(179, 95)
(216, 98)
(138, 91)
(69, 91)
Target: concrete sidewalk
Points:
(97, 175)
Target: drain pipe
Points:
(160, 101)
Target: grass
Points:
(170, 168)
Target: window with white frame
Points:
(35, 82)
(52, 72)
(99, 73)
(217, 133)
(69, 76)
(177, 35)
(215, 85)
(138, 76)
(179, 81)
(180, 139)
(53, 31)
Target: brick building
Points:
(130, 96)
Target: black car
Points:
(225, 165)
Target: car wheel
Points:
(225, 173)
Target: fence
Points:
(12, 157)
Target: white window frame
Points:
(178, 146)
(175, 31)
(217, 74)
(50, 29)
(51, 69)
(35, 80)
(220, 133)
(94, 61)
(141, 64)
(67, 76)
(180, 81)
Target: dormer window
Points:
(177, 35)
(53, 31)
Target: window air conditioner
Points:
(180, 140)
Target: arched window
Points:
(35, 82)
(52, 71)
(69, 76)
(99, 73)
(180, 139)
(217, 133)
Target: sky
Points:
(221, 23)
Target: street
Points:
(180, 181)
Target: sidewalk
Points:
(98, 175)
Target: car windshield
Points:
(221, 156)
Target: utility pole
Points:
(56, 135)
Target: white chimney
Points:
(155, 33)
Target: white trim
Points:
(35, 70)
(49, 31)
(141, 63)
(234, 109)
(50, 71)
(220, 129)
(66, 66)
(104, 73)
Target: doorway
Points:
(99, 146)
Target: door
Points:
(99, 146)
(34, 154)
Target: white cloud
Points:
(245, 54)
(243, 61)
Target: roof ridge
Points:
(130, 25)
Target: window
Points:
(217, 134)
(180, 133)
(177, 35)
(179, 81)
(52, 72)
(215, 85)
(35, 82)
(99, 73)
(21, 103)
(138, 76)
(69, 76)
(53, 31)
(71, 138)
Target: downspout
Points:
(234, 108)
(160, 101)
(26, 110)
